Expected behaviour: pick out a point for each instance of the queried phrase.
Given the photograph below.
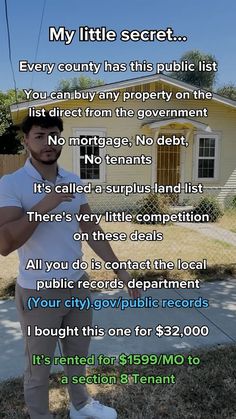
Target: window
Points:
(207, 157)
(89, 169)
(89, 157)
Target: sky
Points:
(208, 24)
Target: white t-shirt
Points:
(51, 241)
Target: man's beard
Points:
(36, 156)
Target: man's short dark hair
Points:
(46, 121)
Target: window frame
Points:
(101, 132)
(216, 137)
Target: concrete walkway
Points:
(211, 230)
(220, 317)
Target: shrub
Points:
(231, 202)
(154, 203)
(209, 205)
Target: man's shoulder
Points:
(11, 186)
(14, 177)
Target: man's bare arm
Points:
(16, 229)
(103, 249)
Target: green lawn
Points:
(206, 391)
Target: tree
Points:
(203, 79)
(10, 142)
(78, 83)
(9, 139)
(228, 90)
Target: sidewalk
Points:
(220, 317)
(211, 230)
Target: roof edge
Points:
(125, 84)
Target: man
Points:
(50, 241)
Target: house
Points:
(153, 130)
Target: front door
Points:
(168, 165)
